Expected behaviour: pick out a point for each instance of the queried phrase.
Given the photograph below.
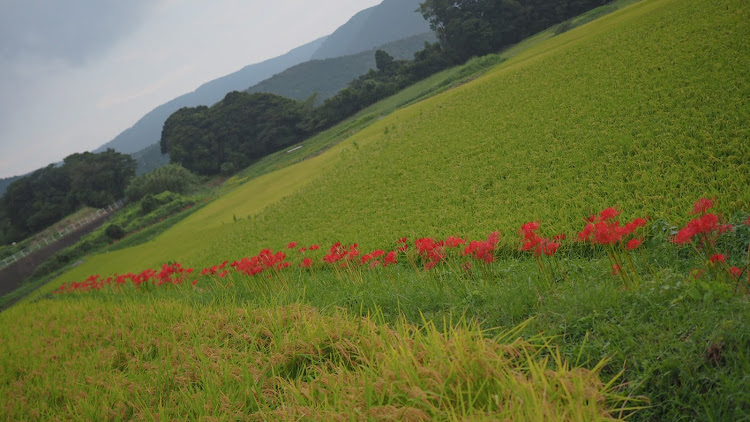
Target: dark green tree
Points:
(237, 130)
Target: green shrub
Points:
(172, 177)
(148, 204)
(114, 232)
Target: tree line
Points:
(34, 202)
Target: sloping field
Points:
(645, 109)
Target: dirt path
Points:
(12, 276)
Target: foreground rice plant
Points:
(284, 363)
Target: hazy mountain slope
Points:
(389, 21)
(147, 130)
(329, 76)
(149, 159)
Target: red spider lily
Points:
(291, 245)
(748, 221)
(717, 258)
(335, 254)
(634, 244)
(283, 265)
(704, 225)
(454, 241)
(483, 250)
(550, 248)
(404, 246)
(340, 252)
(390, 258)
(702, 205)
(265, 260)
(306, 263)
(735, 272)
(608, 214)
(430, 250)
(603, 230)
(314, 247)
(535, 243)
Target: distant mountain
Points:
(149, 159)
(327, 77)
(389, 21)
(147, 130)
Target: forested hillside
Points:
(43, 197)
(327, 77)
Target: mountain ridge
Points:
(304, 79)
(364, 31)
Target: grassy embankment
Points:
(644, 109)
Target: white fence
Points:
(59, 234)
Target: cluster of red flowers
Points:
(169, 274)
(603, 229)
(706, 226)
(433, 251)
(483, 250)
(537, 244)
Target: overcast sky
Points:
(76, 73)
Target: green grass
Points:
(644, 109)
